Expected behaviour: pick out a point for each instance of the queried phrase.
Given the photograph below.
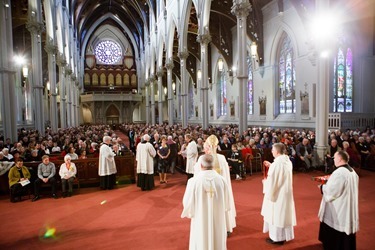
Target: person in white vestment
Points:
(278, 209)
(206, 203)
(191, 152)
(107, 166)
(338, 213)
(221, 167)
(145, 164)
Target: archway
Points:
(112, 115)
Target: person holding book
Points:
(19, 178)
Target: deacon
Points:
(206, 203)
(278, 208)
(145, 164)
(107, 166)
(338, 213)
(191, 155)
(220, 165)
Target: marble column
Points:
(204, 39)
(147, 95)
(169, 65)
(184, 88)
(241, 9)
(62, 63)
(152, 93)
(161, 94)
(68, 83)
(36, 27)
(8, 117)
(322, 101)
(51, 50)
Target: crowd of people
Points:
(156, 149)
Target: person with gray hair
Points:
(107, 166)
(67, 173)
(206, 203)
(145, 164)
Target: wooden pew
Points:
(87, 171)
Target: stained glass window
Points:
(108, 52)
(221, 94)
(343, 80)
(287, 77)
(250, 93)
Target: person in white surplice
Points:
(191, 153)
(145, 164)
(206, 203)
(222, 168)
(278, 208)
(107, 166)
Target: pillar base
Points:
(319, 153)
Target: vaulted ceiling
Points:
(135, 15)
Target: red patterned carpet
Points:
(127, 218)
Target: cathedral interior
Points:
(273, 63)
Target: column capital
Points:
(169, 65)
(50, 47)
(241, 8)
(61, 60)
(151, 78)
(35, 27)
(183, 54)
(204, 38)
(68, 71)
(160, 72)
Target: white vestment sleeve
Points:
(189, 200)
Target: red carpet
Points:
(127, 218)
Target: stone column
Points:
(161, 94)
(74, 99)
(68, 86)
(7, 78)
(147, 94)
(204, 39)
(62, 63)
(322, 101)
(51, 50)
(184, 88)
(152, 93)
(36, 27)
(169, 65)
(241, 9)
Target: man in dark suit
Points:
(304, 153)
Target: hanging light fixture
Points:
(199, 74)
(220, 64)
(174, 87)
(25, 71)
(165, 90)
(253, 49)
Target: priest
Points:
(220, 165)
(206, 203)
(278, 209)
(107, 166)
(338, 213)
(145, 164)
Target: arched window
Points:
(221, 94)
(287, 77)
(250, 87)
(108, 52)
(343, 80)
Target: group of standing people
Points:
(338, 211)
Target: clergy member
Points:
(338, 213)
(220, 165)
(191, 155)
(278, 208)
(145, 164)
(206, 203)
(107, 166)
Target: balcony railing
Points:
(344, 121)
